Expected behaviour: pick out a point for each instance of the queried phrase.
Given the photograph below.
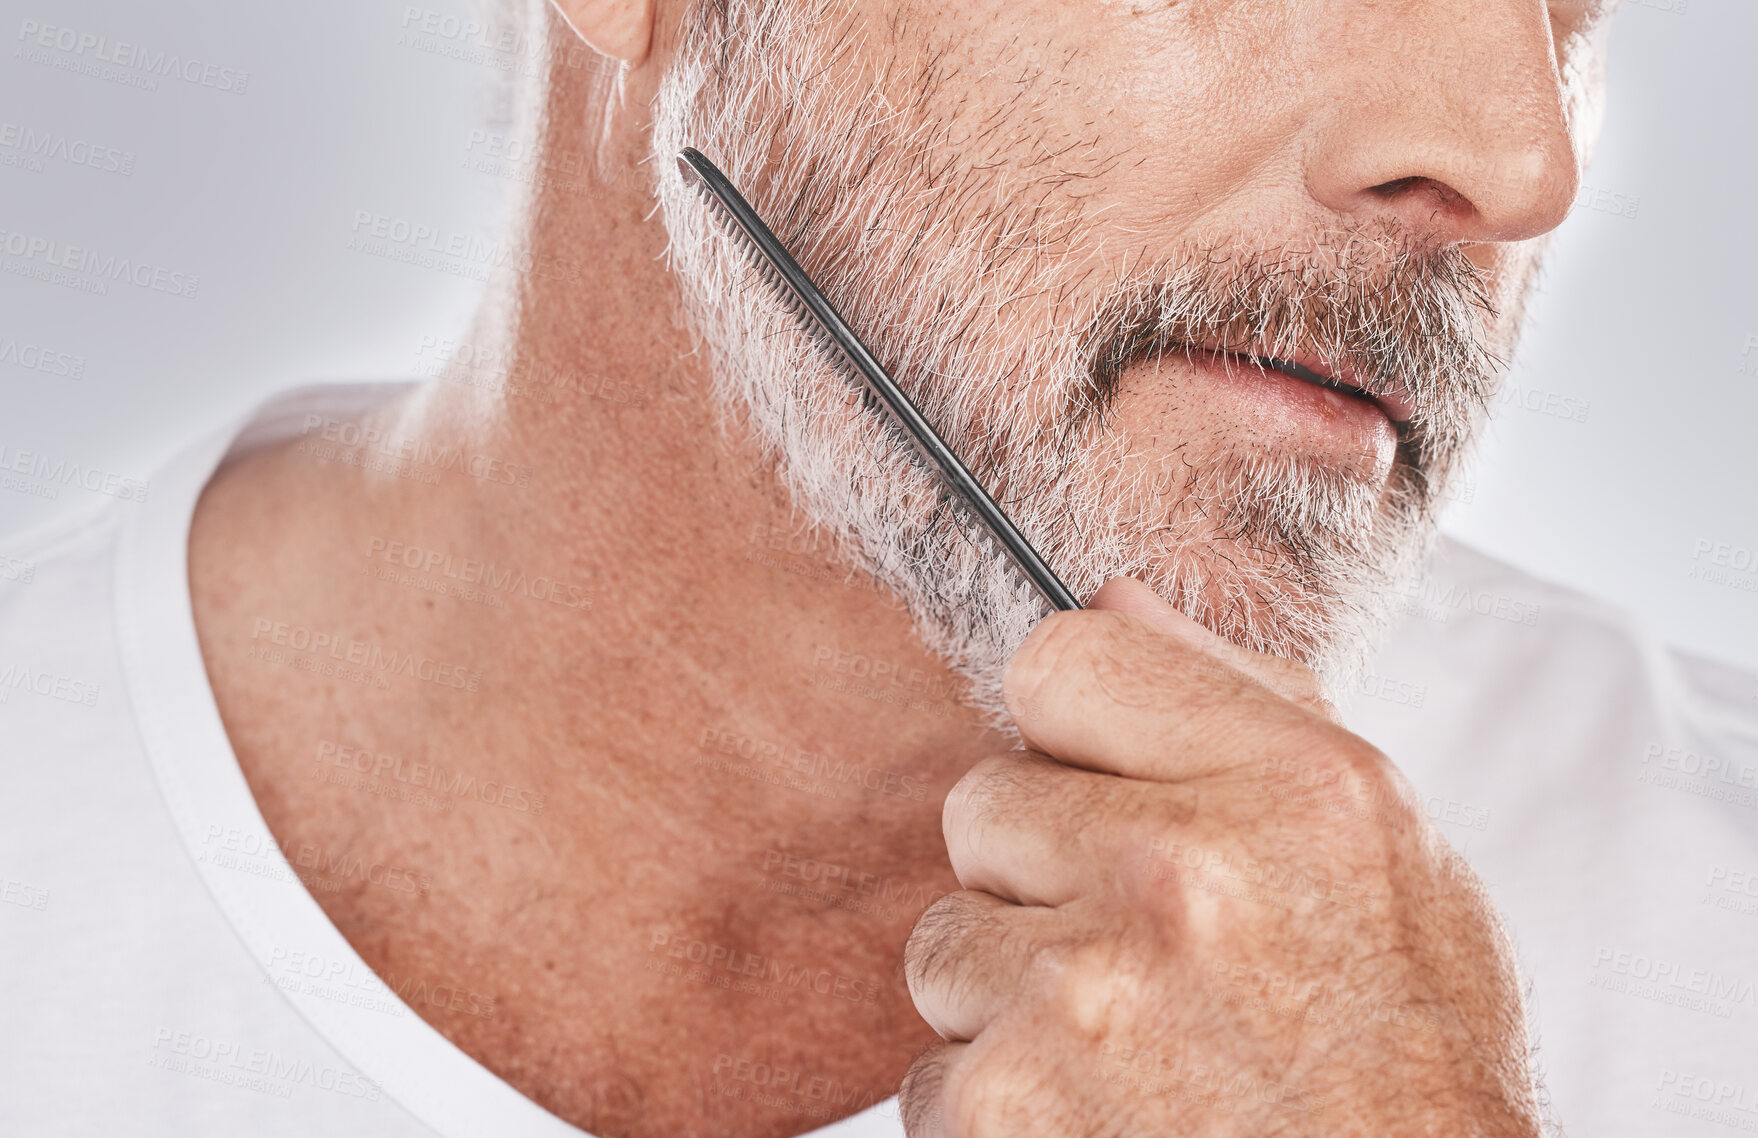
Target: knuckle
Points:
(1326, 709)
(1117, 825)
(1063, 646)
(1369, 767)
(1138, 819)
(1341, 757)
(1373, 803)
(981, 794)
(1296, 681)
(1092, 990)
(1047, 962)
(1038, 659)
(934, 942)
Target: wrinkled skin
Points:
(1213, 911)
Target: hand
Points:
(1197, 905)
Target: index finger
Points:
(1281, 675)
(1107, 691)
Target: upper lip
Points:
(1343, 377)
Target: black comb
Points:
(828, 329)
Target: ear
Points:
(621, 29)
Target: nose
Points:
(1447, 115)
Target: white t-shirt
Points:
(164, 971)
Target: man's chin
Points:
(1291, 556)
(1284, 555)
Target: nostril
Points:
(1430, 195)
(1394, 187)
(1444, 195)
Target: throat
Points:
(637, 855)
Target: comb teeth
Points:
(795, 306)
(978, 534)
(791, 301)
(988, 528)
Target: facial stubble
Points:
(967, 268)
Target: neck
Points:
(709, 608)
(690, 747)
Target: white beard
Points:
(945, 263)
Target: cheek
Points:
(1583, 70)
(1207, 101)
(1156, 115)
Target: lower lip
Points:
(1319, 418)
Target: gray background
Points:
(1620, 461)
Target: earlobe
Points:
(621, 29)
